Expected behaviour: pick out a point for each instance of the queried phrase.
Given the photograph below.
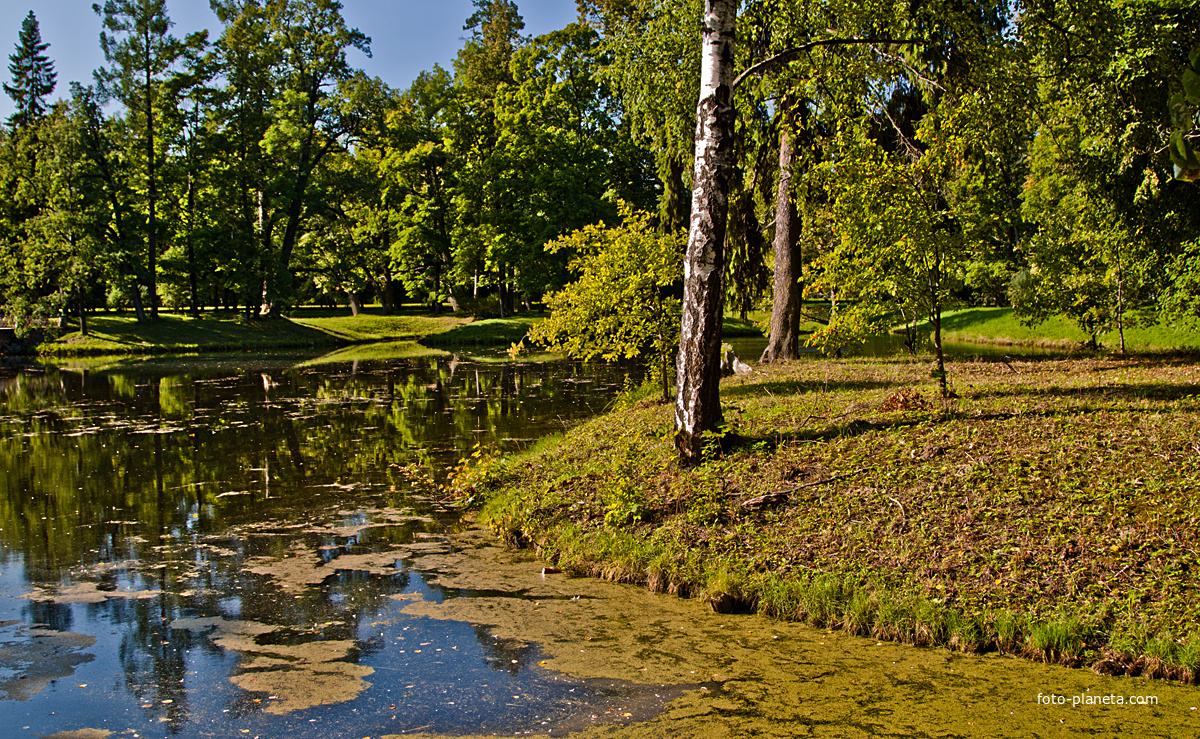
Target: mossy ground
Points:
(1051, 510)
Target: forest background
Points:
(891, 159)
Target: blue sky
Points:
(407, 36)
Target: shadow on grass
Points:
(1140, 391)
(121, 334)
(770, 442)
(796, 387)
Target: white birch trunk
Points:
(697, 400)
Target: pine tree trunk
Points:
(1120, 301)
(152, 195)
(502, 292)
(697, 398)
(138, 310)
(784, 339)
(264, 260)
(193, 287)
(387, 292)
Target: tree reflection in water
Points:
(146, 490)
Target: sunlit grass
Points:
(1001, 325)
(122, 334)
(383, 350)
(503, 331)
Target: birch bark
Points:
(698, 370)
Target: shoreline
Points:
(1042, 514)
(119, 334)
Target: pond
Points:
(248, 546)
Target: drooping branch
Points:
(911, 69)
(787, 55)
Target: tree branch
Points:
(788, 55)
(911, 69)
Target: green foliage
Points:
(1038, 155)
(1109, 216)
(904, 225)
(61, 243)
(620, 306)
(419, 173)
(1185, 118)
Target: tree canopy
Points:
(886, 160)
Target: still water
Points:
(205, 547)
(250, 547)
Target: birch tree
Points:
(698, 371)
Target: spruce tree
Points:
(33, 75)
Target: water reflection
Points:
(229, 541)
(104, 466)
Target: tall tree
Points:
(317, 108)
(557, 147)
(140, 50)
(419, 169)
(495, 28)
(654, 64)
(697, 389)
(100, 140)
(482, 69)
(240, 114)
(783, 338)
(51, 262)
(33, 75)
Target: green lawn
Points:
(491, 331)
(122, 334)
(311, 327)
(385, 350)
(367, 327)
(1000, 326)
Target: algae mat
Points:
(766, 678)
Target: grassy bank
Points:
(487, 332)
(1050, 511)
(1001, 326)
(122, 334)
